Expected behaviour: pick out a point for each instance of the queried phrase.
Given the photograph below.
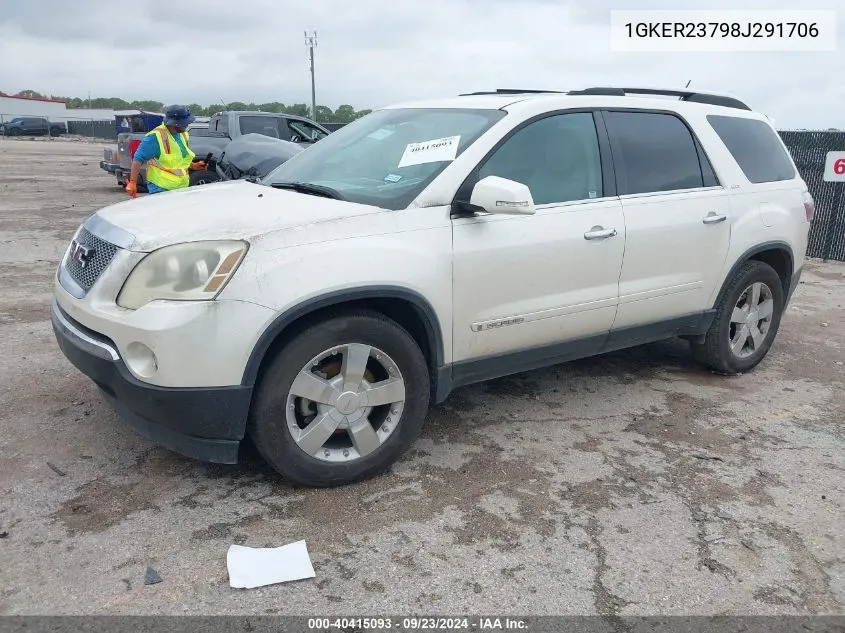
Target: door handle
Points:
(712, 218)
(598, 233)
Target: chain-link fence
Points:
(808, 149)
(12, 125)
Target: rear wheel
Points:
(341, 401)
(747, 321)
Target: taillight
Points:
(809, 206)
(133, 147)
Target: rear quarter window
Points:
(755, 147)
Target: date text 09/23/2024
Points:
(419, 624)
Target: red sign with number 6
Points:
(834, 167)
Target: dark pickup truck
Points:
(32, 126)
(227, 126)
(223, 128)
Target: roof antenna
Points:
(688, 83)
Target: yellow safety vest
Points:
(170, 170)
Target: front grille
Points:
(98, 258)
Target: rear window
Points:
(756, 148)
(266, 125)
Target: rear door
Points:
(677, 217)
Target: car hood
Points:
(225, 210)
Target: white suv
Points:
(428, 246)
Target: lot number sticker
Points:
(834, 167)
(433, 151)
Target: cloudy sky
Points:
(374, 52)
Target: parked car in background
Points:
(33, 126)
(131, 126)
(248, 156)
(213, 137)
(227, 126)
(201, 123)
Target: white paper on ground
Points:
(251, 567)
(430, 151)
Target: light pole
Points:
(311, 42)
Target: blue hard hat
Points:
(178, 116)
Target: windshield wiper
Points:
(309, 188)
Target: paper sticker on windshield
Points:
(380, 133)
(392, 178)
(432, 151)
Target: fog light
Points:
(141, 359)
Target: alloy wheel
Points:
(345, 403)
(751, 319)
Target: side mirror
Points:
(502, 196)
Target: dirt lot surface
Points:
(633, 483)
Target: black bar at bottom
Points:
(408, 623)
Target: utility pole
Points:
(311, 42)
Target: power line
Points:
(311, 42)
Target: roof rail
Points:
(684, 95)
(509, 91)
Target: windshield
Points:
(387, 158)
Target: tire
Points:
(203, 177)
(14, 132)
(727, 328)
(277, 413)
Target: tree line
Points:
(343, 114)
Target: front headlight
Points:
(184, 272)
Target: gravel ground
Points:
(633, 483)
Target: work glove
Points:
(132, 189)
(198, 165)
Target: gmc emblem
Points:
(81, 253)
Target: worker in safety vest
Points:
(166, 154)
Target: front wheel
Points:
(747, 320)
(341, 400)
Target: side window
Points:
(755, 146)
(266, 125)
(305, 130)
(653, 152)
(556, 157)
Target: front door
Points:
(534, 282)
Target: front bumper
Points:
(203, 423)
